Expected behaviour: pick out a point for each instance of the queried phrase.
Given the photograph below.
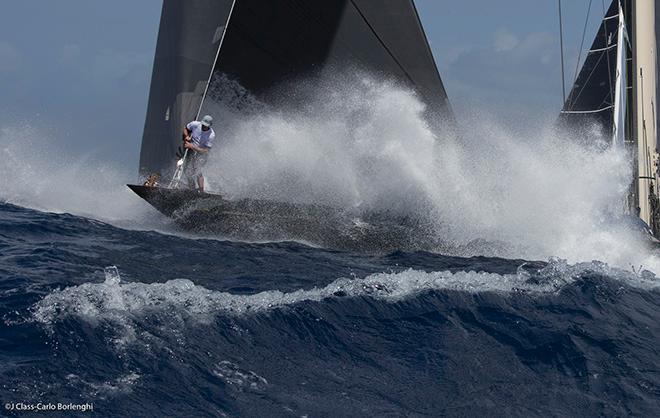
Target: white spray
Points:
(35, 173)
(362, 143)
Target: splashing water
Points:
(363, 143)
(35, 173)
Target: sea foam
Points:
(119, 302)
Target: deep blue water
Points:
(198, 327)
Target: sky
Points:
(78, 71)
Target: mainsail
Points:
(260, 45)
(271, 42)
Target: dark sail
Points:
(591, 99)
(188, 40)
(400, 31)
(271, 42)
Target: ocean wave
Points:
(337, 346)
(115, 301)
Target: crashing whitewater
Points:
(366, 143)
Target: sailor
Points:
(198, 137)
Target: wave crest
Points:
(115, 301)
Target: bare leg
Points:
(200, 182)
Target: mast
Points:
(621, 83)
(645, 100)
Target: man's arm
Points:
(186, 134)
(191, 146)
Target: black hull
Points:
(262, 220)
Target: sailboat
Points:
(615, 95)
(260, 45)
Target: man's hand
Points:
(187, 138)
(192, 146)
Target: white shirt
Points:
(200, 138)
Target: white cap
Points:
(207, 121)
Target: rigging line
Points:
(584, 33)
(561, 50)
(217, 55)
(178, 172)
